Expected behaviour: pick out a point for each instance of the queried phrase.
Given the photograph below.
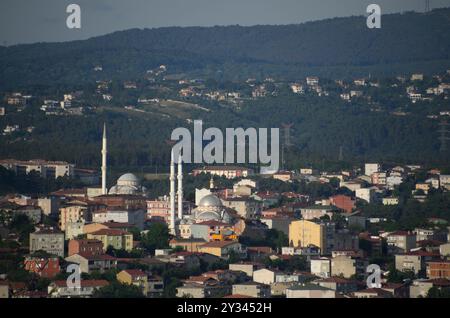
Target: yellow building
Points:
(134, 277)
(221, 248)
(303, 233)
(72, 214)
(118, 239)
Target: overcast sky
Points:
(28, 21)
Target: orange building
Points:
(44, 267)
(343, 202)
(85, 247)
(438, 269)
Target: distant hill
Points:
(338, 47)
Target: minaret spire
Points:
(104, 155)
(172, 194)
(180, 187)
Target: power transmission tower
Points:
(287, 134)
(444, 137)
(341, 153)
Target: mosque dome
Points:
(128, 184)
(210, 201)
(128, 179)
(208, 216)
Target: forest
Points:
(338, 47)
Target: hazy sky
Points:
(27, 21)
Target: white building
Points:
(321, 267)
(390, 201)
(366, 194)
(370, 168)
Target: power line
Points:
(444, 134)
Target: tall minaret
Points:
(180, 188)
(172, 195)
(104, 153)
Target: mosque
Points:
(127, 184)
(209, 208)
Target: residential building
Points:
(317, 211)
(366, 194)
(74, 229)
(90, 263)
(343, 202)
(321, 267)
(4, 289)
(438, 269)
(371, 168)
(266, 276)
(73, 213)
(118, 239)
(424, 234)
(46, 267)
(339, 284)
(390, 201)
(444, 249)
(46, 169)
(229, 172)
(85, 247)
(304, 233)
(420, 287)
(312, 81)
(379, 178)
(401, 241)
(373, 293)
(221, 248)
(284, 176)
(60, 289)
(189, 245)
(398, 290)
(247, 267)
(413, 261)
(280, 223)
(252, 289)
(49, 240)
(309, 291)
(348, 266)
(246, 207)
(134, 277)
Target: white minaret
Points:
(104, 153)
(172, 195)
(180, 188)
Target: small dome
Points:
(210, 201)
(208, 216)
(128, 177)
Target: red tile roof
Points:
(338, 280)
(213, 223)
(84, 283)
(238, 296)
(109, 232)
(135, 272)
(219, 244)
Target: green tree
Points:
(157, 237)
(118, 290)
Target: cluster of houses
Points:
(328, 236)
(159, 84)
